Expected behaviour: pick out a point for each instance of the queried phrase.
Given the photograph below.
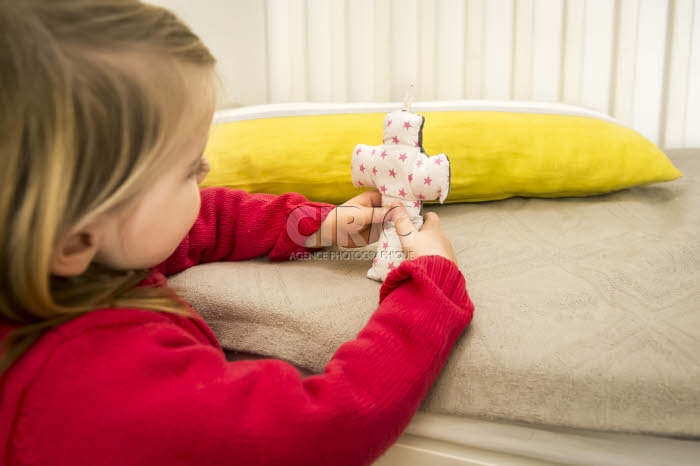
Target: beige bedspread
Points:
(587, 309)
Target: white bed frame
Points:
(417, 451)
(442, 440)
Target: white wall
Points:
(638, 60)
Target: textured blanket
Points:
(587, 309)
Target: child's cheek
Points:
(194, 204)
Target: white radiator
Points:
(638, 60)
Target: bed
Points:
(583, 349)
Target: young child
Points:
(104, 113)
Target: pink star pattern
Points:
(397, 179)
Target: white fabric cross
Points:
(401, 171)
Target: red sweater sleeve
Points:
(166, 399)
(235, 225)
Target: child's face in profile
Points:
(145, 233)
(148, 229)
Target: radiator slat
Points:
(638, 60)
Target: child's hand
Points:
(429, 241)
(356, 223)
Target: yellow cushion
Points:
(493, 154)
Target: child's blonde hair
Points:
(92, 93)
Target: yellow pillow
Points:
(494, 154)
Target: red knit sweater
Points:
(137, 387)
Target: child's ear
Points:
(74, 254)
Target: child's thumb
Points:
(403, 224)
(431, 221)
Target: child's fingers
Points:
(396, 209)
(374, 197)
(431, 221)
(375, 214)
(366, 199)
(403, 224)
(375, 232)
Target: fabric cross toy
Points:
(401, 171)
